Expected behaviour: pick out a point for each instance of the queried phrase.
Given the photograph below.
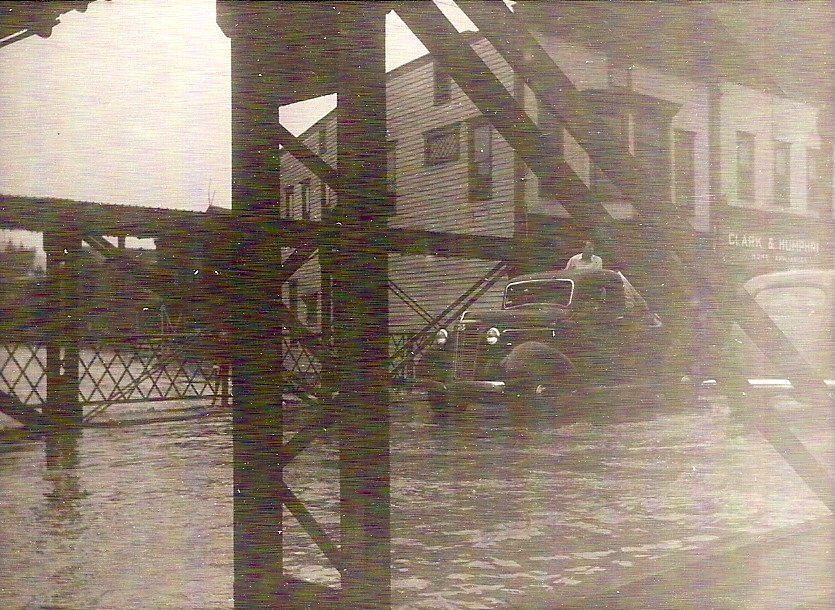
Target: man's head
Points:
(588, 249)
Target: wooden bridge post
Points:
(360, 309)
(63, 408)
(252, 296)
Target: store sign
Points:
(740, 246)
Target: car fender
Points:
(535, 359)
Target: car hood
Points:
(519, 317)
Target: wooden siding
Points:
(428, 197)
(437, 197)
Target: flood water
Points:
(489, 510)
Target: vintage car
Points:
(800, 303)
(555, 330)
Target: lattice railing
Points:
(301, 360)
(23, 371)
(406, 353)
(148, 368)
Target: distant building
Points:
(16, 261)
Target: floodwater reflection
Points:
(491, 508)
(61, 509)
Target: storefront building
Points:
(751, 170)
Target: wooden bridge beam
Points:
(253, 260)
(62, 408)
(360, 309)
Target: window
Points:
(619, 75)
(745, 166)
(323, 141)
(288, 201)
(323, 197)
(441, 145)
(391, 166)
(481, 161)
(782, 174)
(550, 126)
(443, 87)
(311, 306)
(552, 135)
(597, 177)
(814, 178)
(305, 193)
(293, 296)
(684, 179)
(628, 131)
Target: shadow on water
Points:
(61, 509)
(556, 408)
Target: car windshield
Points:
(538, 292)
(632, 296)
(804, 314)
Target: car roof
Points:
(823, 278)
(568, 274)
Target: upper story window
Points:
(782, 174)
(481, 160)
(311, 308)
(293, 296)
(597, 177)
(552, 135)
(745, 171)
(391, 166)
(628, 131)
(323, 141)
(684, 178)
(619, 75)
(305, 196)
(288, 201)
(441, 145)
(323, 197)
(551, 128)
(815, 180)
(443, 87)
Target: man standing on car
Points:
(586, 260)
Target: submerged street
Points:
(553, 507)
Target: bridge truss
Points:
(352, 358)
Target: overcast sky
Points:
(129, 103)
(126, 103)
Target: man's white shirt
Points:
(577, 262)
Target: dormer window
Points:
(443, 87)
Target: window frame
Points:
(453, 131)
(323, 141)
(480, 183)
(442, 86)
(391, 166)
(684, 176)
(781, 174)
(304, 189)
(746, 168)
(289, 193)
(293, 296)
(814, 170)
(323, 196)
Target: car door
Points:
(642, 332)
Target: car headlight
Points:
(441, 337)
(493, 336)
